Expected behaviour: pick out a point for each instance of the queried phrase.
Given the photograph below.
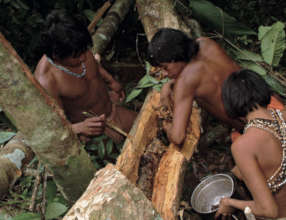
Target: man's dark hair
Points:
(171, 45)
(65, 35)
(243, 91)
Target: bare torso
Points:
(208, 70)
(258, 154)
(269, 155)
(76, 95)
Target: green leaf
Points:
(157, 87)
(109, 146)
(99, 138)
(147, 67)
(119, 146)
(147, 85)
(273, 42)
(27, 216)
(101, 150)
(51, 191)
(164, 80)
(214, 17)
(133, 94)
(6, 136)
(54, 210)
(275, 85)
(92, 147)
(20, 5)
(152, 79)
(254, 67)
(144, 80)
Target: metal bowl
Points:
(208, 193)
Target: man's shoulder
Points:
(44, 74)
(191, 75)
(194, 68)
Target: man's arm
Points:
(263, 203)
(184, 91)
(115, 86)
(48, 82)
(166, 93)
(90, 126)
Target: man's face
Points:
(173, 69)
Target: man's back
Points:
(210, 68)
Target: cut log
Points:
(169, 174)
(142, 133)
(14, 156)
(110, 195)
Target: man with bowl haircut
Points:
(70, 73)
(197, 69)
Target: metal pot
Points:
(208, 193)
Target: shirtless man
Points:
(70, 73)
(197, 69)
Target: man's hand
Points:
(224, 209)
(167, 126)
(91, 126)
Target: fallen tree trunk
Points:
(110, 24)
(168, 175)
(110, 195)
(43, 125)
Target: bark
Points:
(111, 196)
(110, 24)
(142, 133)
(13, 159)
(161, 13)
(43, 125)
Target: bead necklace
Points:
(78, 75)
(278, 179)
(278, 128)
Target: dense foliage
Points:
(21, 21)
